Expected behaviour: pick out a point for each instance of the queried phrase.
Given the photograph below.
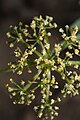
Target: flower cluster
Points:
(46, 61)
(18, 92)
(73, 84)
(22, 60)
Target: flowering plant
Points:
(38, 53)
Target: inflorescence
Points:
(46, 62)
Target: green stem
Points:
(35, 87)
(74, 62)
(27, 45)
(48, 86)
(17, 85)
(5, 70)
(38, 53)
(34, 79)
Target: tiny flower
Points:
(52, 101)
(52, 62)
(67, 27)
(19, 72)
(14, 102)
(52, 117)
(56, 87)
(56, 107)
(45, 22)
(57, 49)
(46, 71)
(50, 93)
(35, 108)
(79, 77)
(59, 60)
(69, 47)
(14, 93)
(22, 82)
(29, 71)
(40, 114)
(7, 85)
(8, 35)
(50, 18)
(52, 81)
(44, 80)
(42, 101)
(69, 55)
(41, 38)
(44, 95)
(63, 35)
(66, 38)
(47, 46)
(56, 114)
(33, 97)
(73, 38)
(42, 106)
(10, 89)
(76, 66)
(11, 45)
(11, 80)
(49, 34)
(58, 99)
(61, 30)
(55, 25)
(76, 51)
(33, 25)
(44, 52)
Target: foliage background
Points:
(13, 11)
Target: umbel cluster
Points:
(35, 40)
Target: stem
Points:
(5, 70)
(66, 43)
(27, 45)
(17, 85)
(34, 79)
(48, 86)
(74, 62)
(38, 53)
